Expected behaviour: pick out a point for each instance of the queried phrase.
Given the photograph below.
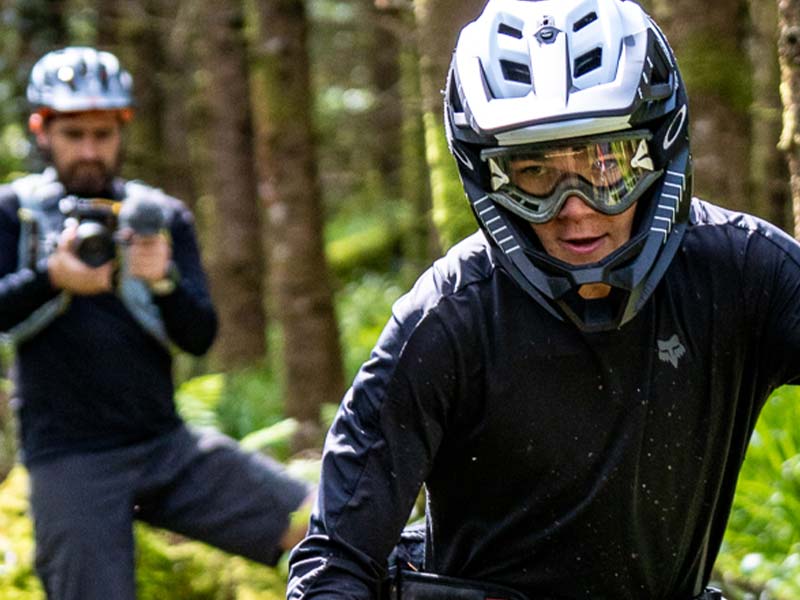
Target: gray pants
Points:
(199, 485)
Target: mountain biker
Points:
(576, 383)
(100, 279)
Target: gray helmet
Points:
(79, 79)
(528, 75)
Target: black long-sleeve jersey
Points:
(94, 378)
(564, 464)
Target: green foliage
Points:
(363, 240)
(237, 402)
(172, 567)
(8, 434)
(245, 405)
(364, 306)
(14, 147)
(451, 212)
(197, 399)
(274, 440)
(305, 469)
(163, 566)
(17, 579)
(762, 542)
(250, 400)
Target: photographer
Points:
(93, 316)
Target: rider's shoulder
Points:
(738, 227)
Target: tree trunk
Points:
(770, 196)
(711, 55)
(385, 117)
(438, 25)
(422, 243)
(397, 127)
(789, 56)
(237, 272)
(140, 50)
(177, 121)
(148, 38)
(300, 286)
(35, 28)
(41, 26)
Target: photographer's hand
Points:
(149, 257)
(69, 273)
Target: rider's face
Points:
(84, 148)
(580, 235)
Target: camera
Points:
(94, 243)
(100, 221)
(97, 220)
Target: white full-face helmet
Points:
(589, 92)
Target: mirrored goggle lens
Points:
(604, 173)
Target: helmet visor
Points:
(609, 174)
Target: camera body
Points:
(100, 222)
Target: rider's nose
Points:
(575, 208)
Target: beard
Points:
(87, 178)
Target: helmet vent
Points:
(514, 71)
(660, 73)
(508, 30)
(455, 100)
(588, 62)
(584, 21)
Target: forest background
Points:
(307, 137)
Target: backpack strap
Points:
(40, 225)
(134, 293)
(40, 220)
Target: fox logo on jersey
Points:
(671, 350)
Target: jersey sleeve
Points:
(188, 312)
(377, 454)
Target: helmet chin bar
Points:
(596, 315)
(564, 277)
(565, 282)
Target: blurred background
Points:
(307, 137)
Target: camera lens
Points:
(94, 243)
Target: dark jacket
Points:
(559, 463)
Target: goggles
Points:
(608, 173)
